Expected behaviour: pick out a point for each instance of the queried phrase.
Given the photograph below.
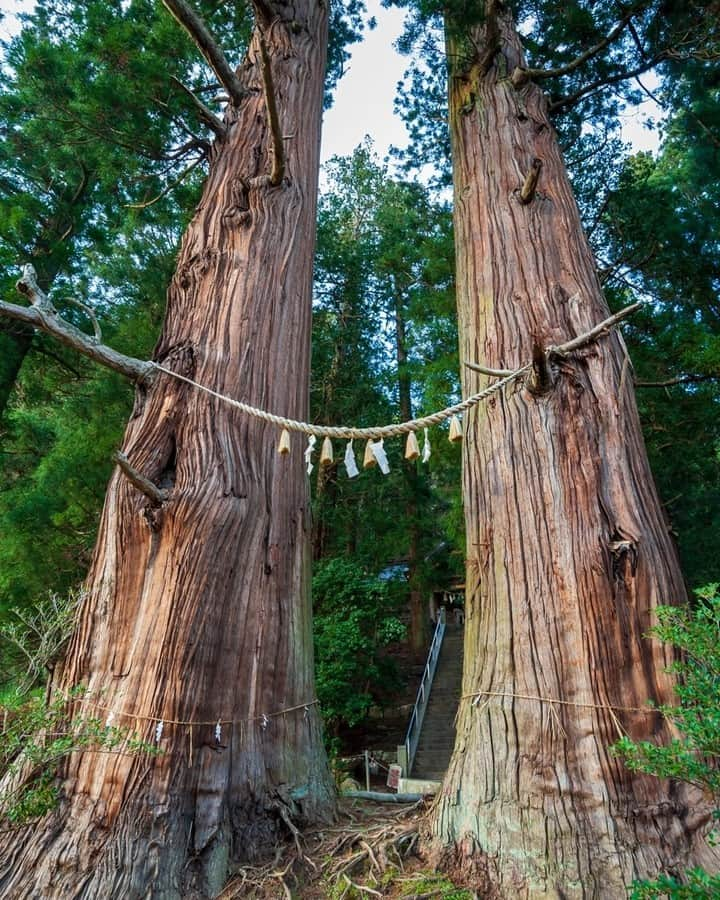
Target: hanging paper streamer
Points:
(369, 459)
(312, 440)
(158, 731)
(378, 451)
(284, 445)
(350, 464)
(412, 450)
(265, 721)
(110, 719)
(455, 434)
(218, 733)
(326, 454)
(426, 447)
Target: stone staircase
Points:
(437, 737)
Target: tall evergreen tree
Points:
(198, 609)
(568, 551)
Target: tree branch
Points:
(521, 76)
(206, 44)
(90, 313)
(203, 110)
(278, 167)
(596, 332)
(679, 379)
(571, 99)
(155, 495)
(562, 349)
(43, 316)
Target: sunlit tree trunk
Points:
(198, 610)
(568, 552)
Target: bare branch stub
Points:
(486, 370)
(155, 495)
(278, 167)
(527, 192)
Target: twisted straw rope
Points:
(347, 433)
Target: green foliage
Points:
(699, 885)
(35, 638)
(36, 737)
(694, 757)
(433, 884)
(384, 348)
(354, 619)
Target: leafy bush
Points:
(695, 757)
(36, 737)
(354, 619)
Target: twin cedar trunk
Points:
(199, 610)
(568, 552)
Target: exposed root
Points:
(351, 859)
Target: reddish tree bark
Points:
(198, 610)
(568, 552)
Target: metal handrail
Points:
(412, 735)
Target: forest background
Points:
(100, 169)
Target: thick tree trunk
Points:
(199, 609)
(568, 552)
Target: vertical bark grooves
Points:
(200, 610)
(568, 553)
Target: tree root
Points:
(352, 858)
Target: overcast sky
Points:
(363, 102)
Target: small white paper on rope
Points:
(312, 440)
(378, 450)
(218, 733)
(265, 721)
(110, 719)
(350, 462)
(426, 446)
(158, 731)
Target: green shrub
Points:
(36, 737)
(695, 756)
(354, 619)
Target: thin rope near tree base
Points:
(513, 696)
(476, 696)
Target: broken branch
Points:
(485, 370)
(527, 192)
(206, 44)
(278, 167)
(203, 110)
(155, 495)
(43, 316)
